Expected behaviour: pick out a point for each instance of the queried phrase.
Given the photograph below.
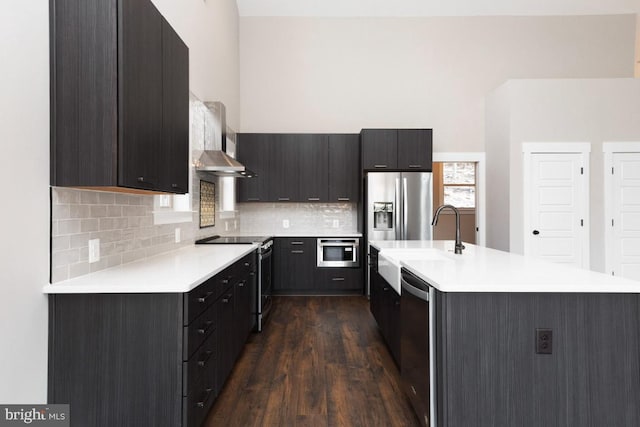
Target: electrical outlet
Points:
(164, 201)
(177, 235)
(336, 223)
(94, 250)
(285, 223)
(226, 226)
(544, 341)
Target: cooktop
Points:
(232, 240)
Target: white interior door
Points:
(625, 221)
(557, 195)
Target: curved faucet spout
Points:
(459, 246)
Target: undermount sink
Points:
(389, 262)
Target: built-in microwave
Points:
(338, 252)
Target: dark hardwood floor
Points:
(319, 362)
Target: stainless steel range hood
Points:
(219, 162)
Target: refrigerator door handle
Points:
(399, 231)
(404, 208)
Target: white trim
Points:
(582, 148)
(609, 149)
(480, 159)
(621, 147)
(556, 147)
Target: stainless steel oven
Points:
(338, 252)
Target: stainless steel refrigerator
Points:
(399, 206)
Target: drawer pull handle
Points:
(343, 199)
(202, 363)
(338, 279)
(297, 243)
(227, 298)
(204, 398)
(252, 273)
(415, 166)
(386, 288)
(225, 281)
(204, 298)
(142, 180)
(283, 199)
(253, 199)
(246, 264)
(379, 166)
(297, 252)
(313, 199)
(207, 325)
(242, 283)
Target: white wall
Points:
(594, 110)
(24, 172)
(343, 74)
(211, 31)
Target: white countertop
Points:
(176, 271)
(481, 269)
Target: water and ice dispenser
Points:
(383, 215)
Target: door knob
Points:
(536, 232)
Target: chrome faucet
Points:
(459, 245)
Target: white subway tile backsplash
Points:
(89, 197)
(106, 198)
(60, 243)
(70, 226)
(80, 211)
(92, 224)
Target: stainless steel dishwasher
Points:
(417, 314)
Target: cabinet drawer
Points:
(199, 330)
(196, 404)
(204, 295)
(204, 359)
(339, 279)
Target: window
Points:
(459, 184)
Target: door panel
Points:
(626, 215)
(417, 206)
(382, 206)
(557, 208)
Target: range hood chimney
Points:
(217, 161)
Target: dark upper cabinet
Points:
(284, 176)
(300, 167)
(379, 149)
(118, 72)
(313, 171)
(140, 95)
(415, 148)
(344, 168)
(397, 149)
(175, 112)
(254, 151)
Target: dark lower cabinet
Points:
(151, 360)
(295, 270)
(385, 307)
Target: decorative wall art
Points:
(207, 204)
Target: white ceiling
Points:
(434, 7)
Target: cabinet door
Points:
(254, 151)
(294, 264)
(379, 149)
(174, 148)
(375, 290)
(414, 149)
(285, 168)
(242, 315)
(140, 94)
(314, 168)
(344, 168)
(394, 331)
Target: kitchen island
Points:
(489, 312)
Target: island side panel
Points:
(117, 358)
(490, 374)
